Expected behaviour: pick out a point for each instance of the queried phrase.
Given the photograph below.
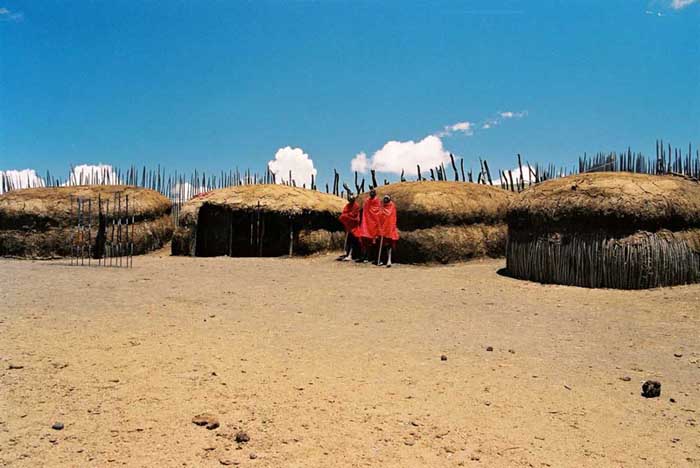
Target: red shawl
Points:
(370, 218)
(350, 217)
(387, 221)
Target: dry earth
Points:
(328, 364)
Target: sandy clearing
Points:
(301, 354)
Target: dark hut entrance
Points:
(241, 233)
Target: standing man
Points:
(388, 232)
(350, 217)
(369, 229)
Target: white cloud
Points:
(7, 15)
(465, 127)
(396, 156)
(528, 176)
(294, 160)
(360, 163)
(680, 4)
(512, 115)
(93, 174)
(14, 180)
(185, 191)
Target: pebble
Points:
(242, 437)
(227, 462)
(253, 456)
(206, 419)
(489, 348)
(57, 426)
(626, 378)
(678, 354)
(15, 367)
(651, 389)
(443, 358)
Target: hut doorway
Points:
(241, 233)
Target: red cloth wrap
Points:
(387, 221)
(350, 217)
(370, 218)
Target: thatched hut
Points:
(607, 230)
(41, 222)
(259, 221)
(443, 222)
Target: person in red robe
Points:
(369, 228)
(350, 218)
(388, 232)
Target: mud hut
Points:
(42, 222)
(607, 230)
(259, 221)
(441, 221)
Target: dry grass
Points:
(52, 205)
(272, 198)
(639, 200)
(439, 203)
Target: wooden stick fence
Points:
(111, 241)
(180, 187)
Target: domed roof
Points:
(633, 199)
(430, 203)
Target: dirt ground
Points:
(329, 364)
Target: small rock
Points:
(253, 456)
(443, 358)
(15, 367)
(678, 354)
(409, 442)
(651, 389)
(489, 348)
(58, 426)
(672, 400)
(242, 437)
(511, 351)
(415, 424)
(626, 378)
(206, 419)
(227, 462)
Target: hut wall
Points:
(221, 230)
(46, 241)
(605, 259)
(445, 244)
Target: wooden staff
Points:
(131, 248)
(72, 240)
(89, 234)
(379, 255)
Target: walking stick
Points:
(379, 256)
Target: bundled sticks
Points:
(110, 240)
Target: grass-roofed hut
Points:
(259, 220)
(41, 222)
(607, 230)
(441, 221)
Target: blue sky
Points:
(215, 84)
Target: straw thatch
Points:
(39, 222)
(607, 230)
(256, 220)
(442, 221)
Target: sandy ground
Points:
(304, 356)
